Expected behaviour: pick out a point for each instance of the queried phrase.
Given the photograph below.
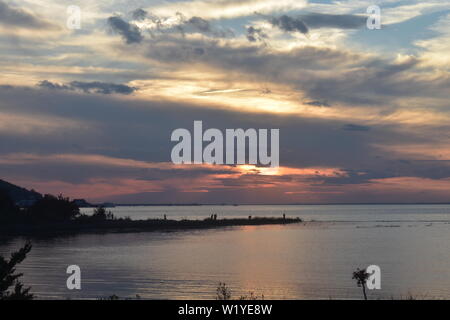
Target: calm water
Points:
(411, 244)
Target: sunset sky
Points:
(364, 115)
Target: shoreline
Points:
(130, 226)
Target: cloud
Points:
(304, 23)
(251, 59)
(18, 124)
(203, 26)
(221, 9)
(371, 95)
(341, 21)
(289, 24)
(89, 87)
(139, 14)
(179, 23)
(16, 17)
(255, 34)
(317, 103)
(322, 73)
(125, 144)
(355, 127)
(354, 177)
(436, 170)
(102, 87)
(141, 129)
(129, 32)
(199, 23)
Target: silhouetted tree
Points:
(361, 277)
(51, 208)
(10, 286)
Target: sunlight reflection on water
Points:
(312, 260)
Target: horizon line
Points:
(271, 204)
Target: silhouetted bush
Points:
(223, 292)
(53, 209)
(251, 296)
(10, 286)
(100, 214)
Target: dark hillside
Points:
(19, 195)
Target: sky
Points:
(363, 113)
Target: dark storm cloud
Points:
(89, 87)
(16, 17)
(129, 32)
